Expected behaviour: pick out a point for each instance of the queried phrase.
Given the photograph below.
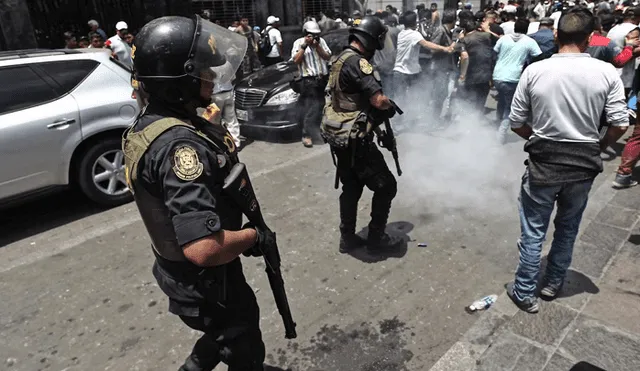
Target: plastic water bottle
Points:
(482, 304)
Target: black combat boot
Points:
(350, 242)
(381, 242)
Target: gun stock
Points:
(238, 186)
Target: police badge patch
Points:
(186, 164)
(365, 66)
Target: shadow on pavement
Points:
(613, 152)
(574, 284)
(273, 368)
(32, 217)
(584, 366)
(634, 239)
(400, 229)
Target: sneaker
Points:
(529, 305)
(550, 291)
(349, 242)
(384, 243)
(624, 181)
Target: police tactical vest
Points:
(343, 109)
(152, 209)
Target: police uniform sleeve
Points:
(185, 169)
(360, 74)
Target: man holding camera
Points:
(311, 54)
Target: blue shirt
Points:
(544, 38)
(513, 51)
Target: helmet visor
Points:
(216, 53)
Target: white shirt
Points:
(313, 64)
(408, 52)
(508, 27)
(565, 95)
(556, 18)
(121, 49)
(539, 10)
(510, 8)
(275, 37)
(533, 27)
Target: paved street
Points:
(78, 294)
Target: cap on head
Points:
(272, 19)
(311, 27)
(546, 21)
(122, 25)
(93, 22)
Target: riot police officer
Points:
(351, 117)
(176, 163)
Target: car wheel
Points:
(101, 173)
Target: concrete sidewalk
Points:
(595, 319)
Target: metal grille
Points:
(225, 12)
(332, 8)
(249, 98)
(51, 18)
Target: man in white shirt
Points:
(510, 7)
(565, 96)
(311, 53)
(275, 39)
(118, 45)
(508, 26)
(407, 66)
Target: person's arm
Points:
(279, 43)
(190, 196)
(297, 52)
(521, 107)
(486, 27)
(464, 65)
(615, 110)
(534, 50)
(323, 49)
(435, 47)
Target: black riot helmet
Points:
(370, 31)
(174, 57)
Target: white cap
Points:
(92, 22)
(272, 19)
(311, 27)
(122, 25)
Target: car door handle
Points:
(59, 123)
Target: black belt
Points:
(320, 77)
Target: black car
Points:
(266, 106)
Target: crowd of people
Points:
(120, 44)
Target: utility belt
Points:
(316, 78)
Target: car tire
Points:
(100, 173)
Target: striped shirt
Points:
(313, 64)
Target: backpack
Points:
(264, 45)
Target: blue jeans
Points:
(506, 90)
(536, 205)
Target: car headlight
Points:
(285, 97)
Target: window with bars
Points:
(332, 8)
(225, 12)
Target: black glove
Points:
(390, 112)
(386, 141)
(265, 240)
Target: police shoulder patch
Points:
(365, 66)
(186, 164)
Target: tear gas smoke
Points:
(458, 165)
